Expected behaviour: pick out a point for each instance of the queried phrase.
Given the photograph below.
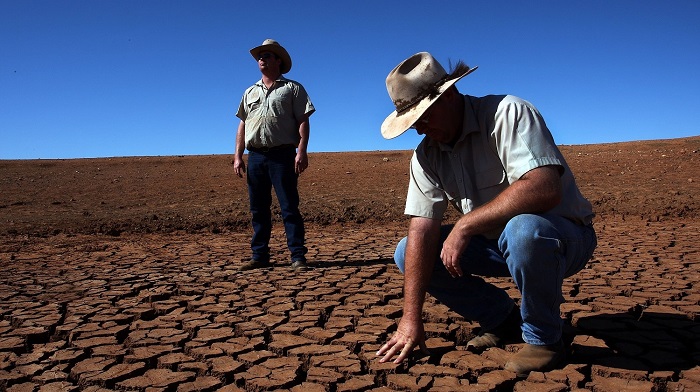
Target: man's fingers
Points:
(404, 353)
(456, 269)
(388, 349)
(389, 353)
(384, 348)
(452, 266)
(395, 346)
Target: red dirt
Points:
(120, 273)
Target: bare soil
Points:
(650, 179)
(120, 274)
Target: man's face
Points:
(267, 61)
(438, 122)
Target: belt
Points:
(271, 149)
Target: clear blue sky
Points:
(103, 78)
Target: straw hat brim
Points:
(280, 51)
(398, 123)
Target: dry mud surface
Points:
(121, 274)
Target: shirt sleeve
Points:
(242, 111)
(302, 103)
(425, 198)
(523, 141)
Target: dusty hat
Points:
(413, 86)
(270, 45)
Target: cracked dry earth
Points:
(121, 275)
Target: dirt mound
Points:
(650, 179)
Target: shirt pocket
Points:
(254, 101)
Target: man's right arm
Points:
(238, 163)
(421, 254)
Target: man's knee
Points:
(400, 254)
(527, 237)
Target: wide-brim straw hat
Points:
(413, 86)
(270, 45)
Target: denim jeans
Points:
(267, 170)
(537, 251)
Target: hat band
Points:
(429, 92)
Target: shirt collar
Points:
(280, 79)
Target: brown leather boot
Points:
(536, 358)
(507, 331)
(254, 264)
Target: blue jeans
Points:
(537, 251)
(267, 170)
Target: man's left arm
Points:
(301, 162)
(537, 191)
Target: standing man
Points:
(274, 127)
(493, 159)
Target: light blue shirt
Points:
(272, 116)
(503, 137)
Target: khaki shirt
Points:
(503, 137)
(272, 116)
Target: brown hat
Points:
(413, 86)
(270, 45)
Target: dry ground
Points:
(120, 274)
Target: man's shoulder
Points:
(498, 103)
(514, 100)
(290, 82)
(253, 87)
(498, 99)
